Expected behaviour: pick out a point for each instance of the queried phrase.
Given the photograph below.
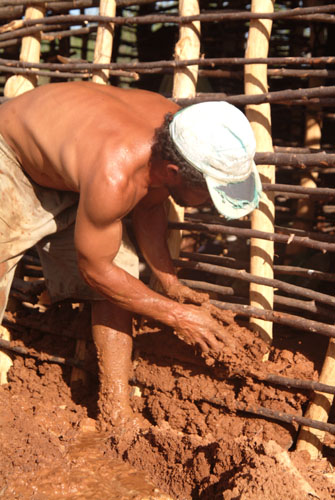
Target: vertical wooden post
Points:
(104, 41)
(184, 86)
(5, 360)
(187, 47)
(16, 85)
(313, 124)
(305, 207)
(77, 374)
(30, 52)
(102, 55)
(311, 439)
(259, 116)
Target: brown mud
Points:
(198, 445)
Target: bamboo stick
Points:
(320, 407)
(5, 360)
(104, 41)
(30, 51)
(184, 86)
(78, 374)
(102, 54)
(187, 47)
(260, 119)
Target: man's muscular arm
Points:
(97, 239)
(150, 226)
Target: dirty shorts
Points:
(34, 215)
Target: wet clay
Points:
(192, 448)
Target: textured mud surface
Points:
(198, 445)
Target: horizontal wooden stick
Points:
(69, 4)
(250, 233)
(279, 269)
(205, 17)
(297, 160)
(280, 318)
(16, 11)
(65, 74)
(310, 385)
(286, 302)
(251, 278)
(8, 346)
(212, 62)
(281, 416)
(216, 219)
(35, 324)
(284, 72)
(272, 97)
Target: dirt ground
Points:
(199, 445)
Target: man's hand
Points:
(183, 293)
(197, 327)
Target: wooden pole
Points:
(184, 86)
(313, 123)
(16, 85)
(104, 42)
(102, 55)
(311, 440)
(30, 52)
(259, 116)
(5, 360)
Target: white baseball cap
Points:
(216, 138)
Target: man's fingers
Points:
(227, 340)
(213, 343)
(203, 346)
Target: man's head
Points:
(217, 141)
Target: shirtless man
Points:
(75, 159)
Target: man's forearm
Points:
(129, 293)
(150, 228)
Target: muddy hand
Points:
(181, 293)
(198, 327)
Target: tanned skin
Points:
(96, 140)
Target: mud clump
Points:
(192, 448)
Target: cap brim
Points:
(236, 199)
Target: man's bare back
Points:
(61, 132)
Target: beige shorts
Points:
(33, 215)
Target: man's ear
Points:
(172, 171)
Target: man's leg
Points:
(7, 271)
(112, 334)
